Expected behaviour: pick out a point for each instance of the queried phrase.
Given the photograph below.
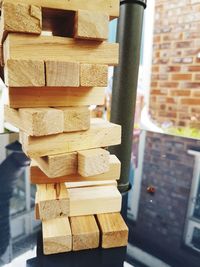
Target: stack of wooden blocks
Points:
(56, 59)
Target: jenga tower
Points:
(56, 59)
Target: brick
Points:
(173, 68)
(194, 68)
(197, 77)
(187, 44)
(180, 92)
(181, 77)
(190, 101)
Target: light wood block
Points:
(24, 73)
(36, 121)
(93, 162)
(94, 75)
(110, 7)
(57, 236)
(75, 184)
(18, 17)
(113, 229)
(91, 25)
(62, 74)
(94, 200)
(76, 118)
(39, 177)
(22, 97)
(58, 165)
(26, 46)
(85, 233)
(100, 134)
(53, 201)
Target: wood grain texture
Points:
(23, 97)
(58, 165)
(53, 201)
(114, 232)
(26, 46)
(93, 162)
(94, 200)
(110, 7)
(101, 134)
(85, 232)
(36, 121)
(93, 75)
(90, 183)
(19, 17)
(57, 236)
(91, 25)
(24, 73)
(62, 74)
(76, 118)
(38, 177)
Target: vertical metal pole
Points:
(129, 35)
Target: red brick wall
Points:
(175, 88)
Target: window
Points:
(192, 237)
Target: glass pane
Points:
(18, 200)
(197, 204)
(196, 238)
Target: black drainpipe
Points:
(129, 36)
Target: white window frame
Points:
(191, 221)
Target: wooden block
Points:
(39, 177)
(113, 230)
(62, 74)
(93, 162)
(91, 25)
(85, 233)
(94, 200)
(58, 165)
(76, 118)
(94, 75)
(26, 46)
(24, 73)
(110, 7)
(53, 201)
(36, 121)
(18, 17)
(101, 134)
(75, 184)
(57, 236)
(22, 97)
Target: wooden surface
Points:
(39, 177)
(91, 25)
(53, 201)
(93, 162)
(62, 74)
(100, 134)
(85, 232)
(110, 7)
(36, 121)
(94, 200)
(114, 231)
(94, 75)
(58, 165)
(90, 183)
(24, 73)
(20, 18)
(22, 97)
(26, 46)
(57, 236)
(76, 118)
